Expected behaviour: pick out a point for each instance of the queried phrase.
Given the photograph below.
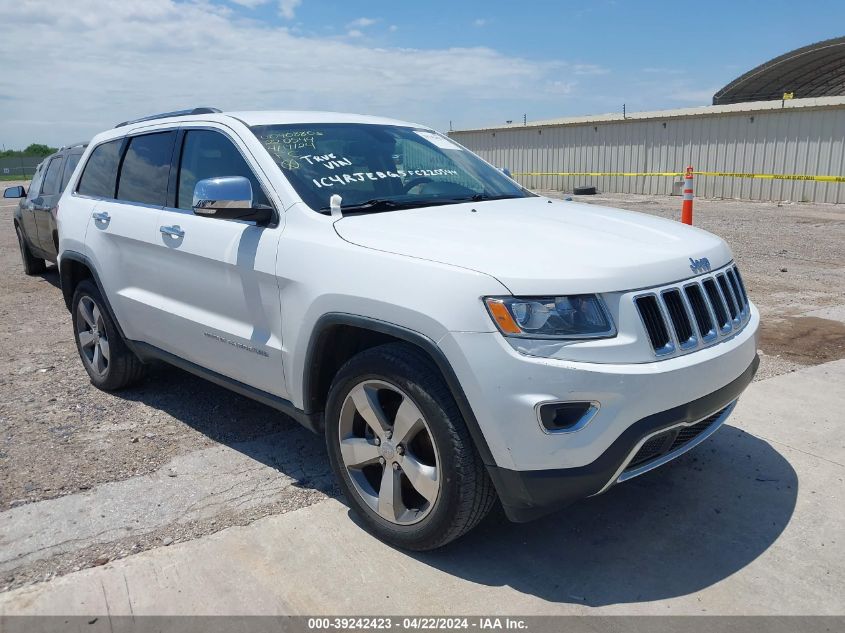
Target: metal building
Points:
(817, 70)
(798, 137)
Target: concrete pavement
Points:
(748, 523)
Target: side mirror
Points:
(506, 172)
(228, 198)
(15, 192)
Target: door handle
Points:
(101, 216)
(172, 231)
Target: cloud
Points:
(361, 23)
(354, 33)
(249, 4)
(108, 62)
(560, 87)
(656, 70)
(393, 28)
(589, 69)
(287, 8)
(479, 22)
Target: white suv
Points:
(457, 338)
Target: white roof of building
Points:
(755, 106)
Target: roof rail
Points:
(167, 115)
(70, 145)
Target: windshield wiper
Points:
(388, 204)
(376, 204)
(479, 197)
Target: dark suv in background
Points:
(35, 217)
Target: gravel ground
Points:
(60, 436)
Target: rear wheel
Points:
(401, 450)
(31, 264)
(109, 362)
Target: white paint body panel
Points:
(427, 270)
(218, 300)
(536, 246)
(504, 386)
(123, 251)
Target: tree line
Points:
(34, 149)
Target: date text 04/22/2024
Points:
(416, 623)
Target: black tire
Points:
(31, 264)
(123, 367)
(584, 191)
(465, 494)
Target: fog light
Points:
(566, 417)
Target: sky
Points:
(71, 69)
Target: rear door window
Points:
(146, 167)
(35, 185)
(100, 175)
(70, 164)
(52, 178)
(209, 154)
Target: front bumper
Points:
(536, 471)
(529, 494)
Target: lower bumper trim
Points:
(529, 494)
(625, 472)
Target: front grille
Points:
(654, 324)
(678, 315)
(728, 295)
(670, 441)
(716, 303)
(740, 299)
(685, 318)
(700, 311)
(741, 285)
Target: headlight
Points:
(567, 317)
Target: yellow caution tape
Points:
(597, 173)
(771, 176)
(726, 174)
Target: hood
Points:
(538, 246)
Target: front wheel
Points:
(401, 450)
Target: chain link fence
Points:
(18, 167)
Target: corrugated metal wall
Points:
(801, 141)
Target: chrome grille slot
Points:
(717, 304)
(729, 298)
(655, 325)
(682, 318)
(735, 287)
(741, 285)
(679, 317)
(700, 311)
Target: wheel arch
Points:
(17, 221)
(336, 337)
(73, 269)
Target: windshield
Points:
(380, 167)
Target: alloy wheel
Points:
(389, 452)
(93, 339)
